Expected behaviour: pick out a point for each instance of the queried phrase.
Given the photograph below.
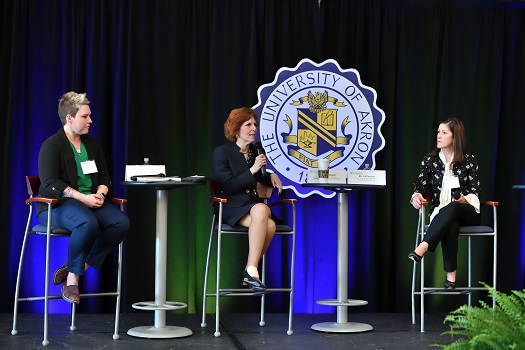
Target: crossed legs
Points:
(422, 248)
(94, 233)
(445, 229)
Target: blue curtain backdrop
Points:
(162, 77)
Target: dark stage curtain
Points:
(162, 77)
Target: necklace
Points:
(244, 152)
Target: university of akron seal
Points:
(316, 111)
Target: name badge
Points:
(89, 167)
(452, 181)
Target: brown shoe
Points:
(60, 275)
(71, 294)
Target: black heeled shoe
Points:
(449, 285)
(254, 283)
(415, 257)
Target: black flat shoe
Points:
(254, 283)
(449, 285)
(415, 257)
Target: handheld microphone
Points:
(456, 194)
(260, 150)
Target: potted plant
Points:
(484, 327)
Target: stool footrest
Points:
(246, 292)
(457, 290)
(86, 295)
(444, 291)
(151, 305)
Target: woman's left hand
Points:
(276, 182)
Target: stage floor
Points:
(238, 331)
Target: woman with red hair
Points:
(237, 167)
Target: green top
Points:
(84, 180)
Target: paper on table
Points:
(143, 170)
(367, 177)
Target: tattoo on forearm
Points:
(68, 192)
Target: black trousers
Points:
(445, 229)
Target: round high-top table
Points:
(342, 302)
(160, 305)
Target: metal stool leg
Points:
(262, 323)
(217, 285)
(206, 275)
(14, 331)
(292, 281)
(119, 291)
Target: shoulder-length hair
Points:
(235, 120)
(460, 142)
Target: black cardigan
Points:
(57, 168)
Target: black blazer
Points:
(57, 168)
(235, 182)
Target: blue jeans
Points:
(94, 232)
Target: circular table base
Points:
(348, 327)
(159, 333)
(348, 302)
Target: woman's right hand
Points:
(259, 162)
(417, 201)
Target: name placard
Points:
(143, 170)
(367, 177)
(335, 176)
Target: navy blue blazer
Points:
(235, 182)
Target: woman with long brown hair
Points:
(452, 176)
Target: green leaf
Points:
(483, 327)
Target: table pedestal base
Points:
(342, 302)
(348, 327)
(160, 333)
(159, 330)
